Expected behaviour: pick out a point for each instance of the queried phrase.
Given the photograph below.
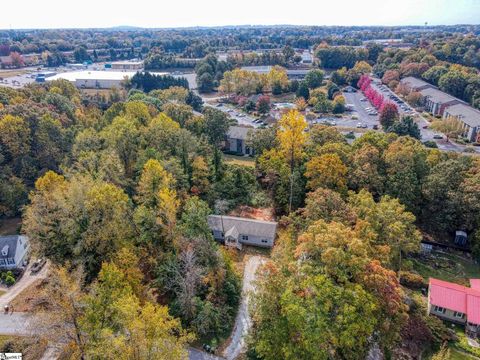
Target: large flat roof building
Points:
(95, 79)
(414, 84)
(468, 117)
(127, 65)
(437, 101)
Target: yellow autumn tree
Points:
(292, 138)
(154, 177)
(327, 171)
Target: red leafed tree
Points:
(388, 114)
(17, 59)
(263, 104)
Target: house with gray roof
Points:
(436, 101)
(236, 231)
(414, 84)
(468, 117)
(13, 251)
(236, 140)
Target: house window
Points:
(10, 261)
(2, 262)
(458, 314)
(439, 309)
(245, 237)
(264, 241)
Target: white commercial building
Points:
(95, 79)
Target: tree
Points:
(122, 136)
(335, 247)
(390, 75)
(434, 74)
(338, 104)
(15, 136)
(117, 324)
(17, 59)
(216, 127)
(81, 220)
(310, 318)
(388, 115)
(277, 79)
(414, 98)
(454, 83)
(302, 91)
(391, 224)
(288, 53)
(292, 137)
(367, 170)
(301, 104)
(314, 78)
(405, 127)
(406, 166)
(452, 128)
(326, 171)
(327, 205)
(263, 104)
(153, 179)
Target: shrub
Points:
(9, 279)
(430, 144)
(412, 280)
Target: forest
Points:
(115, 190)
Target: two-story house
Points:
(13, 251)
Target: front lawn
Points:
(447, 267)
(239, 160)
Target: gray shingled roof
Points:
(414, 82)
(238, 132)
(244, 226)
(465, 113)
(437, 96)
(10, 241)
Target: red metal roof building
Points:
(456, 303)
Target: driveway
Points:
(14, 324)
(25, 281)
(243, 321)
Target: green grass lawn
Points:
(457, 355)
(447, 267)
(239, 160)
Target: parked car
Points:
(361, 125)
(437, 136)
(38, 265)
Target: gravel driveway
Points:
(243, 321)
(25, 281)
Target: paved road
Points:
(243, 321)
(14, 324)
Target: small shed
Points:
(461, 238)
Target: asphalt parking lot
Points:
(241, 117)
(360, 111)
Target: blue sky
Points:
(182, 13)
